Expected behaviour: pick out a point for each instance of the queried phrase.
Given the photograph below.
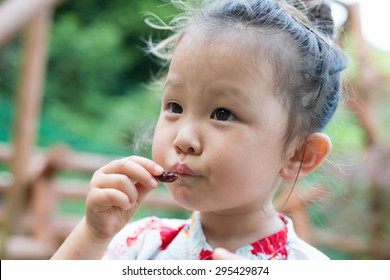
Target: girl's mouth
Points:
(183, 169)
(168, 176)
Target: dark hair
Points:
(307, 75)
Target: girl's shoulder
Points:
(300, 249)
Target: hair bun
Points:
(321, 16)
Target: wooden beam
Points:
(15, 14)
(82, 162)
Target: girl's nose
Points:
(187, 141)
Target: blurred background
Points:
(75, 93)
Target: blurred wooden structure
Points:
(36, 16)
(40, 229)
(362, 101)
(30, 226)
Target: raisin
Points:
(168, 176)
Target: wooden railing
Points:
(45, 226)
(35, 17)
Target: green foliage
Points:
(10, 58)
(5, 119)
(346, 134)
(112, 131)
(93, 97)
(84, 70)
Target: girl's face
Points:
(221, 127)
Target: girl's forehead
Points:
(255, 47)
(234, 51)
(221, 41)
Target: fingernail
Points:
(153, 182)
(159, 169)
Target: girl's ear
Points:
(307, 158)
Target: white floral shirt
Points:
(175, 239)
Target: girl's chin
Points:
(187, 202)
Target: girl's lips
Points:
(183, 169)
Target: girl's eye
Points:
(222, 114)
(174, 108)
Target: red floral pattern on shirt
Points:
(167, 234)
(205, 255)
(274, 246)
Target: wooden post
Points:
(27, 114)
(44, 195)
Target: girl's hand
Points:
(116, 192)
(222, 254)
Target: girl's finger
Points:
(116, 181)
(132, 168)
(142, 192)
(148, 164)
(107, 198)
(222, 254)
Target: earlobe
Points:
(308, 157)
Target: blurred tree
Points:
(96, 62)
(126, 17)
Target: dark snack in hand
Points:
(168, 176)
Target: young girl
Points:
(251, 85)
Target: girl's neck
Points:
(234, 230)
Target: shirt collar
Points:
(273, 246)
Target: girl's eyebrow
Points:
(232, 93)
(173, 83)
(221, 92)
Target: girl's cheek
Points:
(159, 142)
(156, 151)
